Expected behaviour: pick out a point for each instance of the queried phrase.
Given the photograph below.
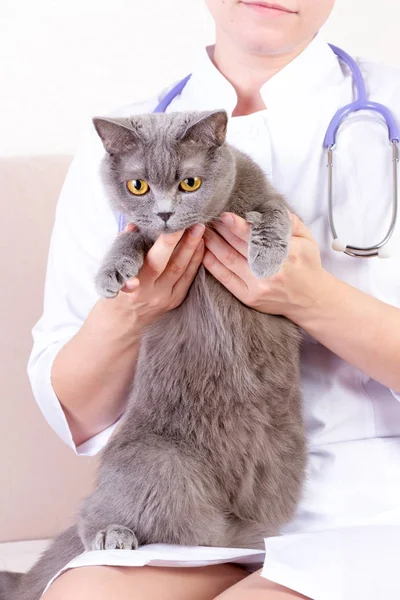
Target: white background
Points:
(64, 61)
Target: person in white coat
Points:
(280, 83)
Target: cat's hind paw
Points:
(115, 537)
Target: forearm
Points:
(357, 327)
(93, 372)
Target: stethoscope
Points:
(361, 103)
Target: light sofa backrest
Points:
(41, 480)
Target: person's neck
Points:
(247, 72)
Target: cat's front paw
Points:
(115, 537)
(112, 277)
(266, 260)
(267, 249)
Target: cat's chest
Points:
(210, 317)
(209, 299)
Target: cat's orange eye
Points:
(191, 184)
(137, 187)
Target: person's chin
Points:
(268, 41)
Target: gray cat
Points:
(211, 450)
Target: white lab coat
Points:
(345, 539)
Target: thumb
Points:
(299, 229)
(128, 227)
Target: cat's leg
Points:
(270, 490)
(247, 534)
(269, 238)
(122, 261)
(158, 492)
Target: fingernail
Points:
(197, 230)
(227, 219)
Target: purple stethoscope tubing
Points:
(361, 103)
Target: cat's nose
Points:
(165, 215)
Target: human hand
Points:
(298, 285)
(165, 277)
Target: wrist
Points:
(320, 296)
(114, 321)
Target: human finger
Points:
(232, 239)
(240, 227)
(227, 255)
(232, 282)
(182, 285)
(299, 229)
(131, 285)
(182, 255)
(128, 227)
(158, 256)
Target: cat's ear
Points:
(118, 135)
(208, 128)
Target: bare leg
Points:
(157, 583)
(255, 587)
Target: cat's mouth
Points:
(169, 228)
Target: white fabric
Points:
(21, 556)
(353, 422)
(164, 555)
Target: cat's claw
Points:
(115, 537)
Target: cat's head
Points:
(167, 171)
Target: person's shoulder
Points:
(382, 80)
(90, 143)
(144, 106)
(135, 108)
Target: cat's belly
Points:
(215, 407)
(213, 367)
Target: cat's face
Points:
(166, 172)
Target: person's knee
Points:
(157, 583)
(83, 583)
(256, 587)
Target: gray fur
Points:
(115, 537)
(8, 582)
(211, 449)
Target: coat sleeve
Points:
(84, 228)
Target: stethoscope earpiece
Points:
(384, 252)
(338, 245)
